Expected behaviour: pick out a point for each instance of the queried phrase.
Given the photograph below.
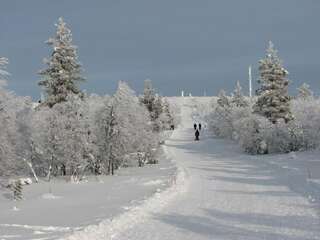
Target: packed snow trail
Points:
(228, 196)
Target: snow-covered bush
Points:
(307, 117)
(304, 92)
(219, 120)
(250, 132)
(226, 111)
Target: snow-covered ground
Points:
(70, 206)
(219, 193)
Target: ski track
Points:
(219, 193)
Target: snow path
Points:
(229, 196)
(220, 193)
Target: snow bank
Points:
(110, 228)
(154, 182)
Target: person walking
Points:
(200, 126)
(195, 126)
(197, 134)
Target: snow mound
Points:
(50, 196)
(153, 182)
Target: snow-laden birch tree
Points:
(12, 109)
(6, 125)
(135, 130)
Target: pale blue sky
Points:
(194, 45)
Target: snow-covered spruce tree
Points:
(153, 103)
(149, 95)
(63, 72)
(237, 98)
(273, 99)
(304, 92)
(166, 116)
(157, 114)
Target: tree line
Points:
(72, 133)
(271, 121)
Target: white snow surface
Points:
(51, 211)
(219, 192)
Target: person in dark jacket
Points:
(200, 126)
(195, 126)
(197, 133)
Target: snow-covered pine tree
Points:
(149, 95)
(273, 99)
(157, 113)
(304, 92)
(153, 103)
(166, 116)
(237, 97)
(63, 72)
